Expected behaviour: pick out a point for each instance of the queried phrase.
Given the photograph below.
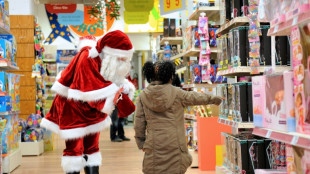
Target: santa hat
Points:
(114, 43)
(84, 41)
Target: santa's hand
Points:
(126, 88)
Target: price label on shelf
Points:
(268, 134)
(294, 140)
(276, 28)
(295, 20)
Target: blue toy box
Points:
(11, 39)
(5, 103)
(5, 51)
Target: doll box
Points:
(32, 148)
(5, 51)
(241, 46)
(259, 100)
(275, 112)
(3, 84)
(270, 171)
(289, 101)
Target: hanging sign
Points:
(64, 8)
(138, 5)
(75, 18)
(136, 17)
(92, 25)
(170, 6)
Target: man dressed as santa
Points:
(88, 90)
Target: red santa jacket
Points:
(84, 99)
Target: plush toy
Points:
(22, 125)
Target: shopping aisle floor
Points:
(118, 158)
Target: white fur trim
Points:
(49, 125)
(95, 95)
(82, 132)
(94, 159)
(118, 52)
(60, 89)
(108, 105)
(93, 52)
(72, 163)
(86, 43)
(132, 89)
(58, 76)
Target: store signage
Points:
(138, 5)
(170, 6)
(136, 17)
(64, 8)
(75, 18)
(91, 25)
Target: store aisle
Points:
(118, 158)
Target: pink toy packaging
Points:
(290, 165)
(259, 99)
(275, 113)
(289, 101)
(269, 171)
(300, 37)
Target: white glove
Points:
(126, 88)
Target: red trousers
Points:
(74, 159)
(86, 145)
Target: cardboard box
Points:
(12, 39)
(259, 100)
(5, 51)
(166, 27)
(172, 28)
(5, 103)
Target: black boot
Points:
(91, 170)
(74, 173)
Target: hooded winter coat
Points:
(159, 127)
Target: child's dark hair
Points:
(160, 71)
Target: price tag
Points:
(268, 134)
(295, 20)
(294, 140)
(276, 29)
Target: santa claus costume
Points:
(87, 92)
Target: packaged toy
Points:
(34, 121)
(5, 51)
(12, 39)
(5, 103)
(259, 99)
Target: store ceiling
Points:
(88, 2)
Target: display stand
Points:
(32, 148)
(12, 161)
(209, 136)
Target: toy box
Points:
(231, 102)
(12, 39)
(289, 101)
(275, 113)
(242, 156)
(265, 48)
(220, 53)
(231, 48)
(14, 90)
(5, 103)
(222, 92)
(5, 14)
(290, 165)
(259, 99)
(302, 160)
(3, 84)
(5, 51)
(226, 52)
(301, 67)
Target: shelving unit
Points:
(293, 138)
(3, 30)
(246, 70)
(180, 70)
(172, 40)
(12, 161)
(8, 66)
(211, 12)
(235, 124)
(236, 22)
(194, 52)
(284, 28)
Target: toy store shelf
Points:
(180, 70)
(87, 2)
(293, 138)
(284, 29)
(9, 112)
(213, 50)
(8, 66)
(12, 161)
(202, 85)
(190, 117)
(188, 53)
(246, 70)
(236, 22)
(236, 124)
(172, 40)
(222, 170)
(49, 60)
(211, 12)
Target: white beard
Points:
(114, 70)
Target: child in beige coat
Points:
(159, 120)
